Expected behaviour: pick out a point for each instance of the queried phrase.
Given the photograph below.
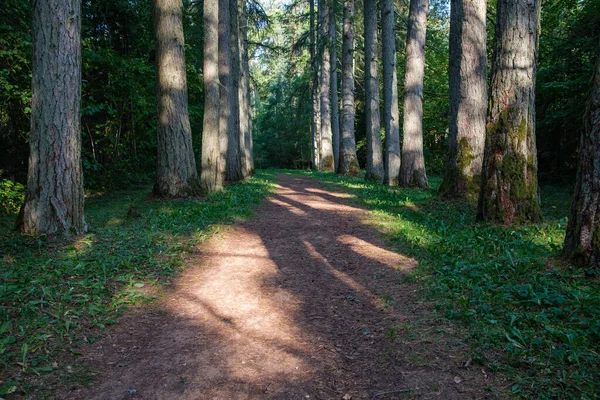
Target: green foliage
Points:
(529, 317)
(54, 295)
(12, 195)
(568, 51)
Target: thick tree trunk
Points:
(335, 107)
(582, 242)
(244, 95)
(372, 117)
(412, 171)
(316, 118)
(326, 139)
(236, 140)
(348, 160)
(226, 115)
(211, 176)
(509, 186)
(176, 173)
(390, 94)
(54, 197)
(468, 97)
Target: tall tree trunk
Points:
(176, 173)
(226, 115)
(211, 176)
(372, 117)
(335, 105)
(316, 118)
(390, 94)
(412, 171)
(348, 160)
(509, 185)
(244, 95)
(582, 242)
(468, 97)
(236, 140)
(54, 197)
(326, 149)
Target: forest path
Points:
(305, 301)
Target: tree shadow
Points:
(305, 301)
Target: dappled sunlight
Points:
(333, 194)
(291, 208)
(337, 274)
(386, 257)
(229, 299)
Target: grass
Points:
(530, 316)
(55, 295)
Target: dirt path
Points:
(303, 302)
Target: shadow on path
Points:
(304, 302)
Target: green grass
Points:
(54, 295)
(530, 316)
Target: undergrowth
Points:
(55, 295)
(531, 316)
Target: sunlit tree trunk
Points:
(412, 170)
(390, 94)
(226, 109)
(335, 107)
(176, 173)
(509, 185)
(372, 117)
(582, 242)
(348, 160)
(54, 197)
(326, 142)
(468, 97)
(236, 140)
(211, 176)
(316, 118)
(244, 95)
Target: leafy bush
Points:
(12, 195)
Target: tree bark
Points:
(226, 110)
(244, 95)
(412, 170)
(211, 176)
(176, 173)
(236, 140)
(509, 186)
(326, 140)
(390, 94)
(316, 118)
(348, 160)
(582, 241)
(372, 117)
(55, 196)
(468, 98)
(335, 107)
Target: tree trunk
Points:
(176, 173)
(226, 116)
(390, 94)
(211, 176)
(316, 118)
(326, 149)
(412, 171)
(468, 97)
(236, 140)
(54, 197)
(582, 242)
(372, 117)
(348, 160)
(509, 186)
(244, 95)
(335, 107)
